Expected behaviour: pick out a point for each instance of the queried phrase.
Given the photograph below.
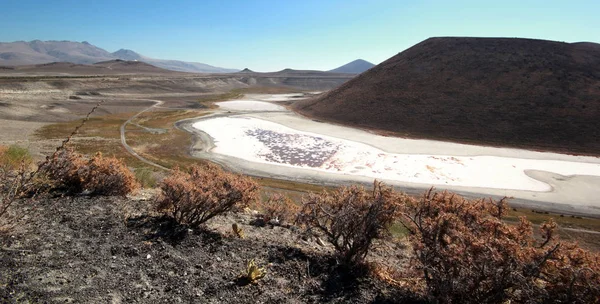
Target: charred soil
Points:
(102, 250)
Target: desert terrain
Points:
(156, 120)
(146, 112)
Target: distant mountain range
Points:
(39, 52)
(355, 67)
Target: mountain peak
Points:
(126, 54)
(355, 67)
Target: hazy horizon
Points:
(273, 35)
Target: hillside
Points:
(355, 67)
(499, 91)
(109, 67)
(40, 52)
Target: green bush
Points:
(13, 156)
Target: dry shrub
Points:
(19, 184)
(278, 209)
(71, 172)
(351, 218)
(63, 171)
(195, 197)
(109, 176)
(465, 253)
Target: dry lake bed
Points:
(257, 137)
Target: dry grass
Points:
(101, 134)
(71, 172)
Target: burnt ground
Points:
(115, 250)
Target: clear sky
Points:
(269, 35)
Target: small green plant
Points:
(254, 273)
(237, 231)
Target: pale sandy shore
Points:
(570, 194)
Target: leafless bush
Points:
(278, 209)
(351, 218)
(195, 197)
(65, 171)
(465, 253)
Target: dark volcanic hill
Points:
(355, 67)
(509, 92)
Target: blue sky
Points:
(269, 35)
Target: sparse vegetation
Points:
(195, 197)
(146, 177)
(13, 184)
(479, 253)
(13, 157)
(351, 218)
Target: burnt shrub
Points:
(71, 172)
(465, 253)
(109, 176)
(278, 209)
(350, 218)
(63, 171)
(194, 197)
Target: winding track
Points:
(124, 139)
